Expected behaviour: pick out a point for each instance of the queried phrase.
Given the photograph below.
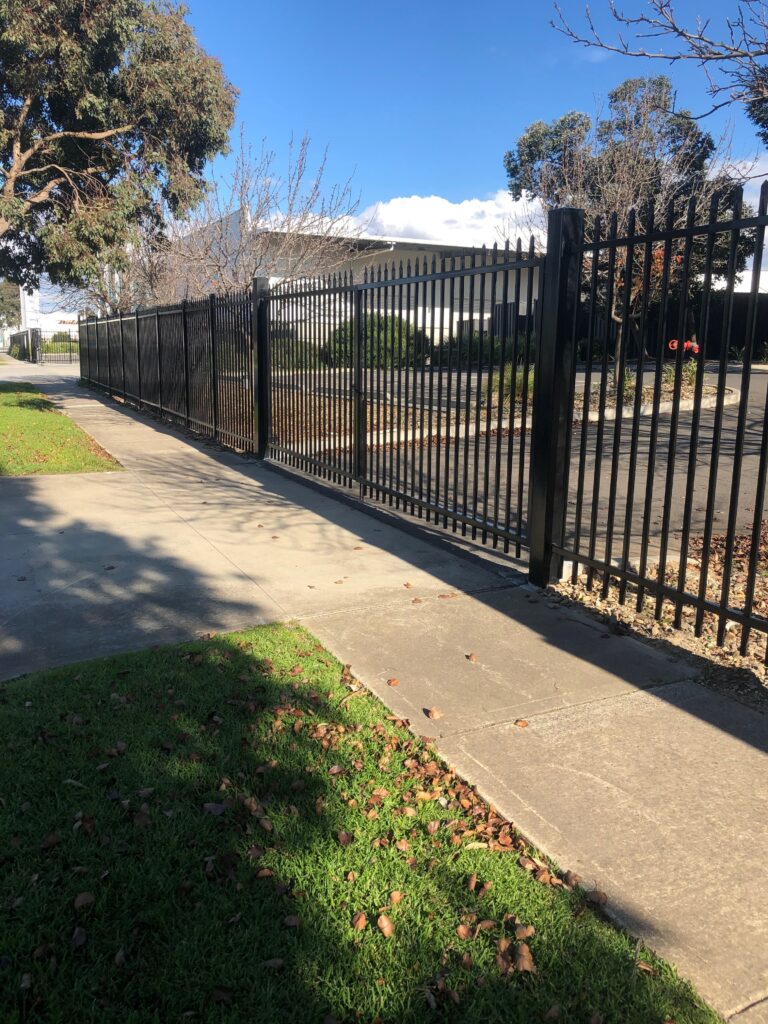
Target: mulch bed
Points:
(741, 675)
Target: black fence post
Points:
(138, 361)
(548, 499)
(261, 365)
(122, 353)
(214, 373)
(109, 358)
(159, 363)
(185, 343)
(97, 348)
(358, 409)
(79, 346)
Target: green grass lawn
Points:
(192, 833)
(36, 438)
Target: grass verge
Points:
(36, 438)
(228, 830)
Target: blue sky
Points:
(421, 99)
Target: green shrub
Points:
(387, 341)
(461, 352)
(511, 380)
(60, 342)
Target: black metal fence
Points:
(666, 453)
(601, 407)
(37, 346)
(191, 364)
(414, 384)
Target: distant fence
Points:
(597, 407)
(191, 364)
(37, 346)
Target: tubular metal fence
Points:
(191, 364)
(414, 385)
(601, 406)
(37, 346)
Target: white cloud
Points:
(469, 222)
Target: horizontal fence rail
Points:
(601, 406)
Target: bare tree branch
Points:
(253, 221)
(734, 59)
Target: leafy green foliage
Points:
(110, 112)
(641, 151)
(387, 341)
(226, 831)
(10, 305)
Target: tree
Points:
(252, 220)
(110, 112)
(259, 220)
(733, 55)
(638, 160)
(10, 305)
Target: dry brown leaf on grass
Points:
(50, 842)
(385, 926)
(359, 921)
(395, 896)
(83, 900)
(464, 931)
(345, 838)
(523, 959)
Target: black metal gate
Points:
(414, 385)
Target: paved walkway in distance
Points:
(650, 786)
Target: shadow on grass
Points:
(20, 391)
(197, 796)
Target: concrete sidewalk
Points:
(649, 785)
